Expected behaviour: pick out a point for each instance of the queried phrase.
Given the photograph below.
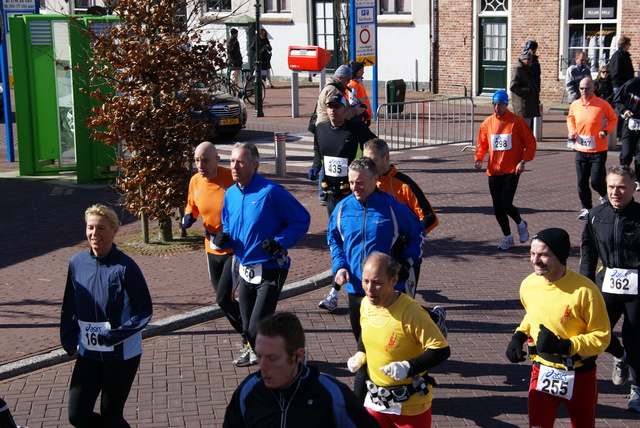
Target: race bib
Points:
(586, 142)
(556, 382)
(634, 124)
(620, 281)
(89, 332)
(501, 142)
(394, 409)
(251, 273)
(336, 167)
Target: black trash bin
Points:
(395, 92)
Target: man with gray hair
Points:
(370, 220)
(260, 222)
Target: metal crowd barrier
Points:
(427, 122)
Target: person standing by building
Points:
(526, 93)
(612, 235)
(627, 102)
(106, 305)
(264, 55)
(400, 343)
(357, 96)
(532, 47)
(567, 327)
(234, 56)
(621, 66)
(260, 222)
(604, 87)
(370, 220)
(285, 392)
(511, 145)
(575, 73)
(590, 121)
(206, 196)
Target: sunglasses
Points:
(605, 72)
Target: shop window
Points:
(395, 6)
(591, 27)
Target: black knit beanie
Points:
(557, 240)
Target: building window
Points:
(591, 27)
(277, 6)
(495, 6)
(395, 6)
(82, 5)
(218, 5)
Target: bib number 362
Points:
(556, 382)
(620, 281)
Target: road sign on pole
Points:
(365, 31)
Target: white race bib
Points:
(395, 409)
(251, 273)
(556, 382)
(336, 167)
(620, 281)
(634, 124)
(501, 142)
(586, 142)
(89, 335)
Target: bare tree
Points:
(145, 75)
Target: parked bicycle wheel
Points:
(250, 90)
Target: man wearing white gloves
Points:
(397, 354)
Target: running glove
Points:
(358, 360)
(550, 343)
(271, 247)
(313, 174)
(397, 370)
(221, 240)
(188, 220)
(515, 353)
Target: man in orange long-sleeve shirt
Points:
(511, 144)
(590, 121)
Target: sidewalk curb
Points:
(166, 325)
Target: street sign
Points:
(365, 34)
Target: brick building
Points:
(479, 41)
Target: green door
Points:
(493, 54)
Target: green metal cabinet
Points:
(49, 57)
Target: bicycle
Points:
(247, 92)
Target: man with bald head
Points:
(206, 196)
(590, 121)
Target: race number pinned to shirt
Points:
(620, 281)
(586, 142)
(335, 166)
(634, 124)
(556, 382)
(501, 142)
(89, 332)
(251, 273)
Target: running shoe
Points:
(507, 242)
(247, 358)
(523, 231)
(634, 399)
(584, 214)
(330, 302)
(603, 199)
(620, 373)
(442, 320)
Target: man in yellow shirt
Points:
(566, 326)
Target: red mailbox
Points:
(308, 58)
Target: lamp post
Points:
(258, 73)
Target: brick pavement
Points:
(186, 375)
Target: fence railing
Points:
(426, 122)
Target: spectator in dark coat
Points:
(526, 93)
(620, 64)
(604, 87)
(532, 47)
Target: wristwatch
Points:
(523, 161)
(606, 133)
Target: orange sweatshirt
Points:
(508, 139)
(587, 120)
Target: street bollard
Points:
(279, 139)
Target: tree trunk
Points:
(183, 231)
(144, 221)
(165, 233)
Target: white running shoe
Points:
(634, 399)
(507, 242)
(603, 199)
(584, 214)
(247, 358)
(620, 373)
(330, 302)
(523, 232)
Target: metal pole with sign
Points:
(7, 8)
(364, 45)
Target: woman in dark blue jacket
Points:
(105, 307)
